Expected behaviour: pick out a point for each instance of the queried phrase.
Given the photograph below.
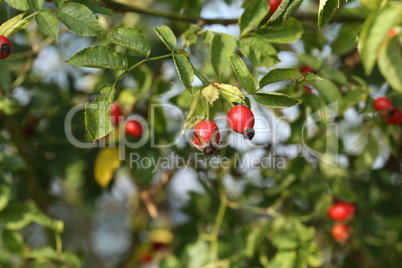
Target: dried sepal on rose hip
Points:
(241, 120)
(5, 47)
(206, 137)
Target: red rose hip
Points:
(206, 137)
(307, 69)
(395, 117)
(134, 128)
(273, 5)
(5, 47)
(382, 103)
(116, 114)
(341, 211)
(241, 120)
(341, 232)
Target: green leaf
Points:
(310, 60)
(5, 194)
(95, 7)
(222, 46)
(255, 12)
(48, 23)
(131, 39)
(315, 258)
(167, 36)
(13, 242)
(196, 254)
(275, 100)
(346, 39)
(79, 19)
(230, 93)
(281, 15)
(99, 57)
(260, 52)
(351, 99)
(284, 259)
(59, 3)
(184, 70)
(21, 5)
(390, 63)
(14, 25)
(196, 112)
(97, 114)
(37, 4)
(255, 236)
(210, 93)
(325, 11)
(242, 73)
(328, 90)
(283, 74)
(373, 33)
(291, 32)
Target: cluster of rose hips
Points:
(5, 47)
(206, 136)
(387, 111)
(133, 128)
(341, 212)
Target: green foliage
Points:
(48, 23)
(79, 19)
(167, 36)
(97, 113)
(99, 57)
(259, 203)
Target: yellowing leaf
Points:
(210, 93)
(107, 161)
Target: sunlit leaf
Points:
(167, 36)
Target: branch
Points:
(148, 196)
(119, 7)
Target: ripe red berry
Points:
(341, 232)
(341, 211)
(395, 117)
(134, 128)
(307, 69)
(5, 47)
(116, 114)
(206, 137)
(205, 129)
(392, 33)
(273, 5)
(241, 120)
(382, 103)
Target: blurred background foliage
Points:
(53, 212)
